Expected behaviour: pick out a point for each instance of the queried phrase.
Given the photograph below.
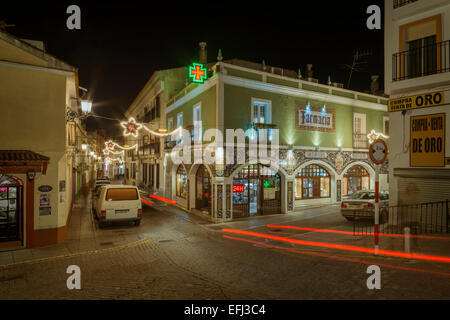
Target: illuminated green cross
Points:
(197, 72)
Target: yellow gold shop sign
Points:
(420, 101)
(428, 141)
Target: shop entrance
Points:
(256, 190)
(11, 208)
(203, 190)
(356, 178)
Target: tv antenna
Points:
(357, 63)
(4, 25)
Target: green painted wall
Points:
(237, 109)
(208, 110)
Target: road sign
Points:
(378, 151)
(427, 140)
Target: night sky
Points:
(121, 44)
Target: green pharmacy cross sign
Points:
(197, 72)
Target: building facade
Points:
(39, 161)
(144, 167)
(417, 79)
(323, 144)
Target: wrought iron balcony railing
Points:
(401, 3)
(360, 141)
(421, 61)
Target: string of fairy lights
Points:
(131, 128)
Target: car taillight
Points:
(343, 205)
(103, 212)
(369, 206)
(139, 212)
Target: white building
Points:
(417, 78)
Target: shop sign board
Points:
(45, 188)
(425, 100)
(315, 118)
(427, 148)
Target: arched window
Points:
(181, 182)
(356, 178)
(313, 182)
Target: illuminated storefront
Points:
(256, 190)
(11, 209)
(356, 178)
(313, 182)
(181, 182)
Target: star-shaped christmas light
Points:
(109, 145)
(373, 135)
(131, 127)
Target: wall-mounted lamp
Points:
(84, 146)
(340, 149)
(86, 106)
(31, 174)
(317, 148)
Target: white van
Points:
(118, 203)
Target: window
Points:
(181, 182)
(355, 179)
(180, 124)
(313, 182)
(122, 194)
(197, 117)
(261, 111)
(359, 131)
(422, 56)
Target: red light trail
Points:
(343, 247)
(163, 199)
(351, 233)
(145, 201)
(341, 258)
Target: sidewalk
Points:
(83, 235)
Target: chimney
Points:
(203, 57)
(309, 71)
(374, 86)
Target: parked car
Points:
(118, 203)
(361, 204)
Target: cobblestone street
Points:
(185, 257)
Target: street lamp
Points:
(86, 106)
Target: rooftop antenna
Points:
(357, 62)
(4, 25)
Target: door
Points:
(253, 196)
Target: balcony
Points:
(421, 61)
(401, 3)
(360, 141)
